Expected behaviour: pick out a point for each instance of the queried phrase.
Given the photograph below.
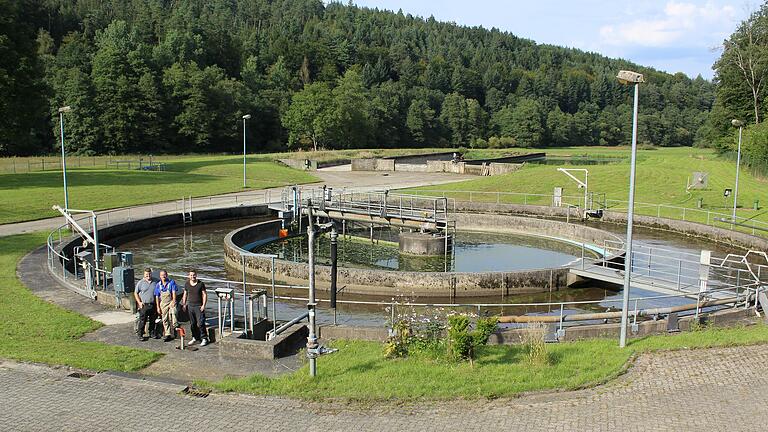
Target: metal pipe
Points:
(63, 160)
(274, 295)
(285, 326)
(250, 310)
(221, 322)
(736, 187)
(311, 338)
(245, 293)
(334, 264)
(611, 315)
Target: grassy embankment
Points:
(33, 193)
(37, 331)
(359, 370)
(661, 179)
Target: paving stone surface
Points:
(701, 390)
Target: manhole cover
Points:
(195, 392)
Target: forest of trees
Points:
(158, 76)
(741, 76)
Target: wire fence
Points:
(18, 165)
(707, 217)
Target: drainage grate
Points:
(195, 392)
(80, 375)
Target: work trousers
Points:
(197, 322)
(147, 313)
(168, 313)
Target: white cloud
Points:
(680, 22)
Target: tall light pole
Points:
(629, 77)
(245, 117)
(62, 110)
(739, 124)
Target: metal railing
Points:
(742, 295)
(373, 203)
(706, 217)
(679, 270)
(184, 205)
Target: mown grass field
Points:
(662, 175)
(30, 195)
(37, 331)
(359, 370)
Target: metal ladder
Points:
(186, 210)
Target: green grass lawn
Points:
(661, 179)
(37, 331)
(359, 370)
(33, 194)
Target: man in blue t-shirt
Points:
(165, 298)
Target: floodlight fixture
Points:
(65, 109)
(247, 117)
(630, 77)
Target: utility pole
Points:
(62, 110)
(629, 77)
(245, 117)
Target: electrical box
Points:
(127, 259)
(557, 197)
(123, 279)
(111, 260)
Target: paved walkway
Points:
(360, 180)
(200, 363)
(707, 390)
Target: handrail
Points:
(475, 305)
(708, 215)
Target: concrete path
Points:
(360, 180)
(703, 390)
(200, 363)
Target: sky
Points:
(673, 36)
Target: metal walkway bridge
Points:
(674, 272)
(377, 207)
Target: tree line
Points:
(741, 77)
(152, 76)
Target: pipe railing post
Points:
(311, 304)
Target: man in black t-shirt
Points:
(194, 301)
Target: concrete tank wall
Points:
(427, 284)
(373, 165)
(415, 243)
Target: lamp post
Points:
(739, 124)
(62, 110)
(629, 77)
(245, 117)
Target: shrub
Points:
(501, 142)
(398, 340)
(479, 143)
(462, 343)
(535, 346)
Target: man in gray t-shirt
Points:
(145, 303)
